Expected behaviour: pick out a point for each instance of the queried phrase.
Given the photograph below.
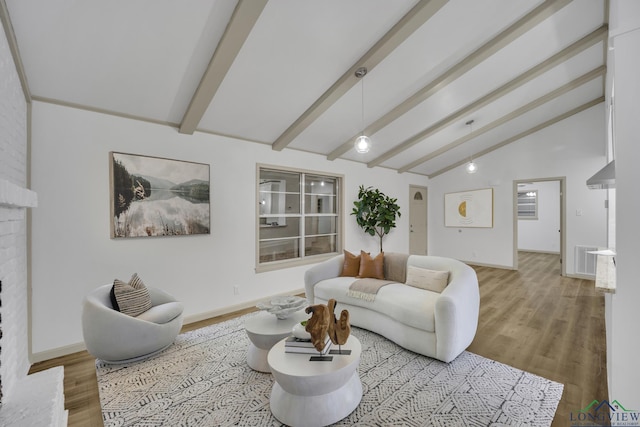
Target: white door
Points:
(418, 220)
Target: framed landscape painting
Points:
(153, 196)
(472, 208)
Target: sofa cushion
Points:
(424, 278)
(162, 313)
(395, 266)
(371, 267)
(405, 304)
(351, 265)
(131, 298)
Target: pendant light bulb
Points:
(472, 167)
(363, 143)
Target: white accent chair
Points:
(116, 337)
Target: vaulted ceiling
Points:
(281, 72)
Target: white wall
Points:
(541, 234)
(623, 316)
(72, 251)
(573, 148)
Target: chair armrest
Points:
(321, 271)
(159, 296)
(456, 314)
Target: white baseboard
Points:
(78, 347)
(57, 352)
(480, 264)
(534, 251)
(230, 309)
(581, 276)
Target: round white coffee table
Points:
(264, 330)
(314, 393)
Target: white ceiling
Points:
(290, 83)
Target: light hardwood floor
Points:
(553, 326)
(532, 319)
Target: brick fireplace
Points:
(26, 400)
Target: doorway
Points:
(417, 220)
(539, 222)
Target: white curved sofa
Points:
(437, 325)
(116, 337)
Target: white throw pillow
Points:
(430, 280)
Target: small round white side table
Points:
(314, 394)
(264, 330)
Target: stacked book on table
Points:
(296, 345)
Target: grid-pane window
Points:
(528, 204)
(298, 215)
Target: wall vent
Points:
(585, 263)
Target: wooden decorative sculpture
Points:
(318, 324)
(339, 329)
(323, 322)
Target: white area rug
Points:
(203, 380)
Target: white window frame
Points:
(339, 215)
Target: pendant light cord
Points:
(362, 100)
(471, 133)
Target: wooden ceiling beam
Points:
(242, 21)
(533, 18)
(585, 78)
(522, 135)
(584, 43)
(414, 19)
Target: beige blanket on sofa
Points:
(366, 289)
(395, 271)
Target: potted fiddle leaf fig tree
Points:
(375, 212)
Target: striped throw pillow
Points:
(130, 298)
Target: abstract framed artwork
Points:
(472, 208)
(153, 196)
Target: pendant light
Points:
(363, 142)
(471, 167)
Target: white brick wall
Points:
(14, 353)
(14, 357)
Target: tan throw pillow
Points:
(351, 265)
(395, 266)
(131, 298)
(371, 267)
(430, 280)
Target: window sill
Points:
(280, 265)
